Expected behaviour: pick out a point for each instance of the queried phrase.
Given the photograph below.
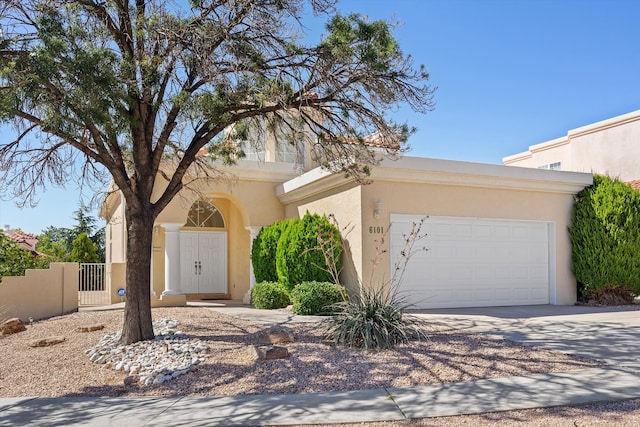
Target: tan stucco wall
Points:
(609, 147)
(446, 200)
(243, 203)
(255, 200)
(41, 293)
(116, 278)
(116, 235)
(157, 254)
(446, 188)
(408, 186)
(238, 245)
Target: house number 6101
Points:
(376, 229)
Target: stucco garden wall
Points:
(40, 294)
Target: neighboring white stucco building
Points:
(610, 147)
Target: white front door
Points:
(203, 257)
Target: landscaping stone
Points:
(12, 326)
(170, 354)
(270, 352)
(89, 328)
(277, 335)
(46, 342)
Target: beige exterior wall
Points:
(446, 188)
(116, 278)
(406, 186)
(610, 147)
(247, 202)
(40, 294)
(461, 201)
(116, 234)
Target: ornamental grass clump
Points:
(373, 320)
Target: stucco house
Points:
(496, 235)
(609, 147)
(26, 241)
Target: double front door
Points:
(203, 262)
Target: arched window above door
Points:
(204, 214)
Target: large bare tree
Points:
(132, 90)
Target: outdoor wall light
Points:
(378, 210)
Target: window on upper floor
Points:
(289, 153)
(253, 150)
(552, 166)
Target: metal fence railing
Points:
(93, 284)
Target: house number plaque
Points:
(376, 229)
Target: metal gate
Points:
(93, 284)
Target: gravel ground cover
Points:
(313, 365)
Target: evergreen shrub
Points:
(605, 236)
(298, 257)
(311, 298)
(269, 295)
(263, 251)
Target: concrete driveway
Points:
(609, 334)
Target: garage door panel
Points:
(473, 262)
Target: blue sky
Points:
(510, 74)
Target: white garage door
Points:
(474, 262)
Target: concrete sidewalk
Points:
(561, 328)
(543, 390)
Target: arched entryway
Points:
(203, 251)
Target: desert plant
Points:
(269, 295)
(263, 251)
(375, 318)
(298, 257)
(604, 236)
(316, 297)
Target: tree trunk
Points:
(137, 309)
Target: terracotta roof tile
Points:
(634, 184)
(19, 236)
(25, 240)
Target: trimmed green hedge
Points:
(605, 236)
(298, 258)
(269, 295)
(316, 297)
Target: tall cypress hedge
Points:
(605, 235)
